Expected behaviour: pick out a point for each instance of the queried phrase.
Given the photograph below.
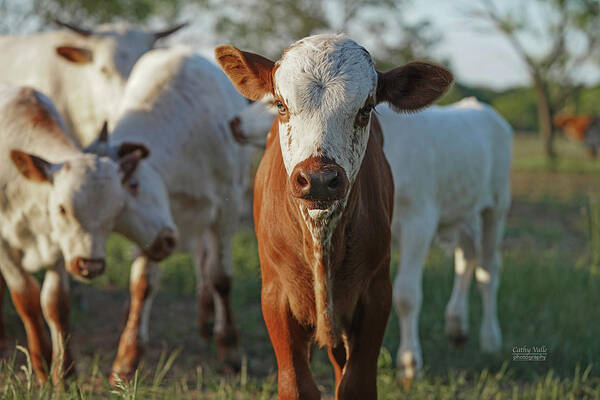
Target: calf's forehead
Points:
(88, 181)
(325, 72)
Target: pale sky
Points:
(483, 58)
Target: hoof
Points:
(3, 345)
(231, 367)
(116, 377)
(490, 338)
(405, 383)
(206, 329)
(456, 331)
(459, 341)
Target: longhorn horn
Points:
(103, 137)
(168, 31)
(81, 31)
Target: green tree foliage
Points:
(269, 27)
(95, 11)
(573, 30)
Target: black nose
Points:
(163, 246)
(322, 184)
(86, 268)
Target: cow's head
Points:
(574, 126)
(325, 88)
(146, 218)
(85, 197)
(106, 56)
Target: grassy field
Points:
(549, 296)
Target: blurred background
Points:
(530, 59)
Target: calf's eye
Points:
(280, 107)
(62, 211)
(133, 185)
(367, 110)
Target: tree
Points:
(96, 11)
(269, 27)
(552, 68)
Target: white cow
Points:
(57, 207)
(83, 72)
(180, 105)
(251, 125)
(451, 168)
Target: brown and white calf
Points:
(323, 203)
(56, 213)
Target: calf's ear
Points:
(251, 74)
(32, 167)
(413, 86)
(130, 155)
(77, 55)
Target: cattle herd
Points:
(102, 132)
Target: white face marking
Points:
(324, 81)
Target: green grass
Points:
(572, 156)
(549, 296)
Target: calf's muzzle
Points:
(86, 268)
(318, 181)
(163, 245)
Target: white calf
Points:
(55, 214)
(180, 105)
(82, 71)
(451, 168)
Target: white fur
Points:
(33, 233)
(88, 187)
(256, 120)
(324, 80)
(85, 94)
(180, 104)
(451, 168)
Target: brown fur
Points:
(28, 306)
(574, 126)
(3, 340)
(58, 311)
(76, 55)
(326, 281)
(131, 349)
(237, 132)
(358, 257)
(31, 167)
(237, 64)
(36, 111)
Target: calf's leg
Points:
(221, 277)
(143, 285)
(56, 309)
(291, 344)
(25, 294)
(488, 279)
(457, 316)
(415, 238)
(3, 338)
(204, 252)
(214, 288)
(363, 341)
(337, 357)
